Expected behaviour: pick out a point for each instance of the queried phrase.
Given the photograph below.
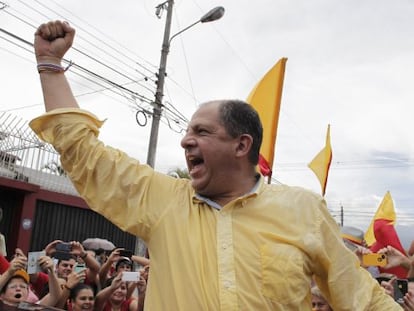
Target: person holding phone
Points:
(115, 263)
(402, 290)
(408, 299)
(69, 255)
(114, 296)
(15, 283)
(224, 240)
(84, 258)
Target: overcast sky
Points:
(350, 64)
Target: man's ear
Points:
(244, 145)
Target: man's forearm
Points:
(52, 41)
(56, 91)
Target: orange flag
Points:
(322, 161)
(266, 98)
(385, 211)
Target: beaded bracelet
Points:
(49, 67)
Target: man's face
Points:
(16, 291)
(65, 267)
(209, 151)
(123, 267)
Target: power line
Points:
(119, 59)
(102, 50)
(151, 71)
(176, 117)
(84, 69)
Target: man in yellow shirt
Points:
(223, 240)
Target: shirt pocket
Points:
(283, 277)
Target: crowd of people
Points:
(74, 279)
(99, 284)
(223, 240)
(391, 283)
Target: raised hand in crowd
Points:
(105, 271)
(142, 289)
(142, 261)
(361, 251)
(47, 265)
(90, 262)
(408, 304)
(410, 250)
(72, 280)
(389, 286)
(75, 278)
(19, 262)
(50, 249)
(114, 296)
(395, 258)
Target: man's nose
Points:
(187, 141)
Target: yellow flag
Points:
(385, 211)
(322, 161)
(266, 98)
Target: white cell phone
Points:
(33, 262)
(79, 268)
(130, 276)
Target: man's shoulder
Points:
(287, 190)
(293, 199)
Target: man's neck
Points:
(247, 186)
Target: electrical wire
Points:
(177, 115)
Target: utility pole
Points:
(212, 15)
(157, 109)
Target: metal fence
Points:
(24, 157)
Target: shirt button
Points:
(224, 246)
(227, 284)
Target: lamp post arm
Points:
(182, 30)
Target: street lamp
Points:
(212, 15)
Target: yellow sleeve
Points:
(338, 274)
(112, 183)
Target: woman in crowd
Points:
(114, 296)
(81, 298)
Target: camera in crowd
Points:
(63, 251)
(374, 259)
(400, 287)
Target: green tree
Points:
(179, 173)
